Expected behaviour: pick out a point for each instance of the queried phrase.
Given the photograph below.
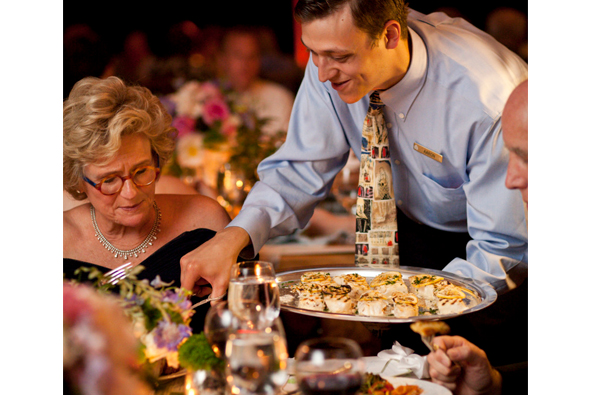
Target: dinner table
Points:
(373, 336)
(176, 384)
(305, 251)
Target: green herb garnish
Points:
(196, 354)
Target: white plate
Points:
(428, 387)
(376, 364)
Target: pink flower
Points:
(230, 125)
(184, 125)
(208, 90)
(74, 306)
(215, 109)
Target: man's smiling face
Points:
(346, 57)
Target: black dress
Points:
(163, 262)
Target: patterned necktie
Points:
(376, 226)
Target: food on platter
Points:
(310, 296)
(386, 294)
(388, 282)
(337, 299)
(318, 278)
(312, 301)
(373, 303)
(424, 286)
(405, 304)
(450, 299)
(430, 328)
(357, 283)
(374, 384)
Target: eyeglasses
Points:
(112, 184)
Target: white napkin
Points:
(403, 357)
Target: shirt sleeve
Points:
(496, 219)
(300, 173)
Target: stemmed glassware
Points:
(329, 366)
(253, 295)
(344, 189)
(217, 325)
(246, 331)
(256, 358)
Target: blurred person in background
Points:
(275, 65)
(239, 62)
(84, 55)
(134, 63)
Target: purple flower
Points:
(132, 301)
(169, 335)
(177, 299)
(169, 104)
(157, 282)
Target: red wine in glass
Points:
(330, 384)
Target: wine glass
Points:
(217, 325)
(253, 294)
(256, 358)
(344, 189)
(233, 187)
(329, 366)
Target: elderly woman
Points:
(115, 139)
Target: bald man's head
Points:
(514, 130)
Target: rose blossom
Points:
(215, 110)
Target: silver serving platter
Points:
(485, 294)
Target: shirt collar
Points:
(400, 97)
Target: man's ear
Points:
(393, 34)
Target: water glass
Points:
(253, 294)
(217, 325)
(256, 359)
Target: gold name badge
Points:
(427, 152)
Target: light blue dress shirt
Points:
(450, 102)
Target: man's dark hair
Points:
(369, 16)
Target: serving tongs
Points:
(209, 299)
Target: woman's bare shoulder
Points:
(74, 217)
(195, 211)
(167, 184)
(74, 225)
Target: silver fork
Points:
(428, 340)
(114, 276)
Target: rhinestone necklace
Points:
(135, 251)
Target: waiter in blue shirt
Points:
(444, 84)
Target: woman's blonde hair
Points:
(97, 113)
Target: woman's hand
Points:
(473, 376)
(211, 262)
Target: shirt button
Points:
(397, 162)
(399, 202)
(401, 116)
(389, 125)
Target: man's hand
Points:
(475, 376)
(211, 262)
